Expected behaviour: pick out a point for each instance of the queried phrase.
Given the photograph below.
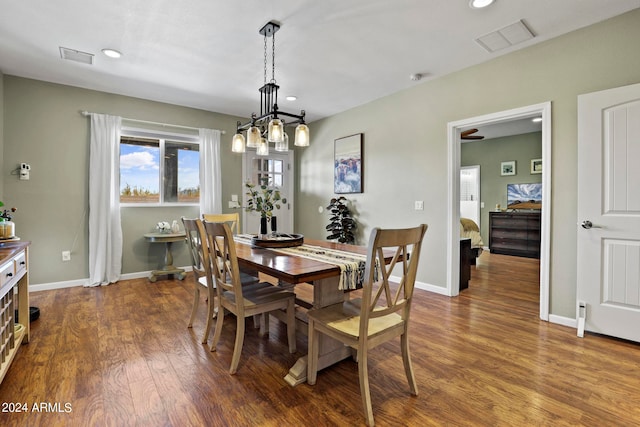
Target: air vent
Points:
(76, 55)
(505, 37)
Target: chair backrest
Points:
(232, 218)
(198, 248)
(378, 299)
(223, 252)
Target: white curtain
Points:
(105, 231)
(210, 174)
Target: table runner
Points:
(351, 265)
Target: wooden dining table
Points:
(291, 270)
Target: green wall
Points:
(488, 154)
(405, 142)
(43, 127)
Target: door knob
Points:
(587, 224)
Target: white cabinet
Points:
(14, 294)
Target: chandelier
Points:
(269, 126)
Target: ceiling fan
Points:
(468, 134)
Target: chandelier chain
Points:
(265, 59)
(273, 57)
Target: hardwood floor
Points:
(121, 355)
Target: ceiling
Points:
(332, 54)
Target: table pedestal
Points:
(168, 268)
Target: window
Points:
(268, 171)
(146, 179)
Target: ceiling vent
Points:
(505, 37)
(76, 55)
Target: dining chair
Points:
(232, 218)
(381, 314)
(243, 301)
(201, 267)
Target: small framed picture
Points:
(508, 168)
(536, 166)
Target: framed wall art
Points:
(347, 164)
(536, 166)
(508, 168)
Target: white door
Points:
(609, 211)
(277, 169)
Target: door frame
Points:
(453, 230)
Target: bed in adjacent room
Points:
(470, 230)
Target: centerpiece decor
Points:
(264, 200)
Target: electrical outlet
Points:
(66, 255)
(418, 205)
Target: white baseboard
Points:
(564, 321)
(85, 282)
(431, 288)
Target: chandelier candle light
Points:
(270, 125)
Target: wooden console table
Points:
(14, 274)
(167, 239)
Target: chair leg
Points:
(211, 312)
(218, 331)
(291, 326)
(312, 356)
(363, 373)
(408, 367)
(196, 300)
(237, 349)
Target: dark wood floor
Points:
(122, 356)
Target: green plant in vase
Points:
(264, 200)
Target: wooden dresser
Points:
(14, 295)
(515, 233)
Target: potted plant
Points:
(263, 199)
(342, 225)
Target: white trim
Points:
(84, 282)
(453, 228)
(564, 321)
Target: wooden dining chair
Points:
(201, 267)
(243, 301)
(233, 219)
(380, 315)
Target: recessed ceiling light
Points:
(479, 4)
(111, 53)
(291, 98)
(536, 119)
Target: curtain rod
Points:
(87, 113)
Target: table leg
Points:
(168, 266)
(330, 351)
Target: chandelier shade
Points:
(263, 147)
(271, 123)
(302, 135)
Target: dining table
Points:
(299, 265)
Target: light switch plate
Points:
(418, 205)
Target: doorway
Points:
(470, 193)
(276, 170)
(454, 130)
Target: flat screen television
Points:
(524, 196)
